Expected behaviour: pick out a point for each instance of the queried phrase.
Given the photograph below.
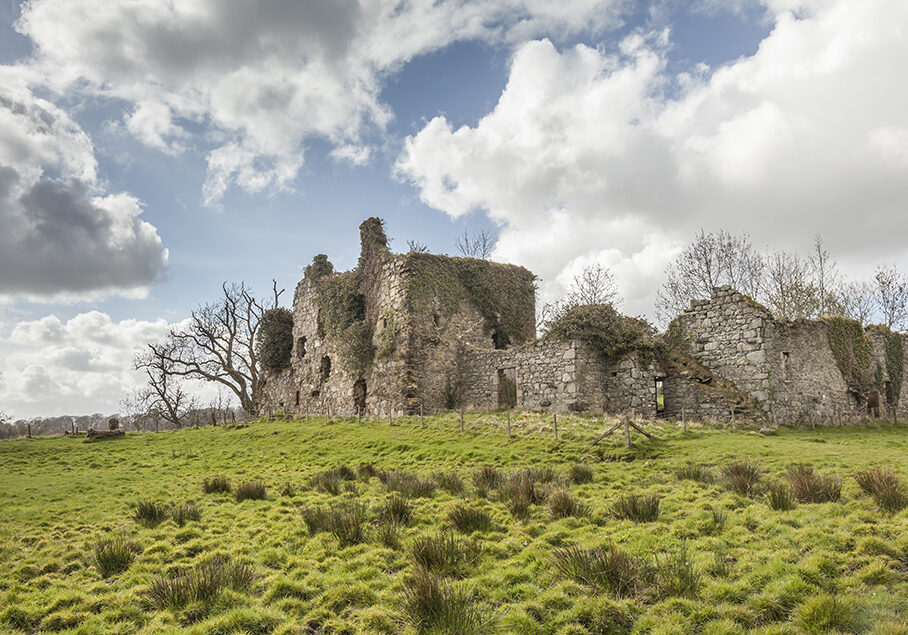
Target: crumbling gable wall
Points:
(787, 366)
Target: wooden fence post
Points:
(461, 420)
(422, 424)
(627, 431)
(509, 424)
(683, 420)
(555, 424)
(29, 431)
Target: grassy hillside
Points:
(371, 528)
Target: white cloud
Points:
(76, 366)
(585, 158)
(264, 75)
(63, 236)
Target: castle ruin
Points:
(417, 332)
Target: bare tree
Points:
(164, 393)
(595, 284)
(891, 296)
(219, 345)
(416, 247)
(825, 277)
(788, 289)
(710, 261)
(476, 245)
(857, 299)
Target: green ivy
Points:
(852, 350)
(503, 294)
(388, 337)
(895, 360)
(611, 334)
(342, 313)
(275, 339)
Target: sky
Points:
(150, 151)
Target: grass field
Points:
(371, 528)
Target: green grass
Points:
(371, 528)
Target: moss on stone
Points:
(342, 312)
(895, 361)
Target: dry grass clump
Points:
(251, 490)
(444, 554)
(114, 555)
(407, 484)
(467, 519)
(331, 481)
(562, 505)
(604, 569)
(742, 477)
(396, 511)
(433, 605)
(150, 513)
(779, 497)
(346, 521)
(203, 583)
(640, 508)
(522, 489)
(185, 513)
(694, 472)
(883, 486)
(450, 482)
(580, 473)
(809, 486)
(486, 479)
(216, 485)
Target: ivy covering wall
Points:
(275, 339)
(605, 330)
(852, 350)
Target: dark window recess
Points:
(297, 397)
(315, 393)
(436, 319)
(325, 368)
(301, 347)
(660, 394)
(499, 341)
(359, 396)
(786, 365)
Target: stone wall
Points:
(561, 376)
(786, 366)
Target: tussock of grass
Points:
(808, 486)
(522, 489)
(409, 485)
(694, 472)
(827, 614)
(315, 518)
(203, 583)
(396, 511)
(778, 497)
(742, 477)
(640, 508)
(468, 519)
(216, 485)
(604, 569)
(365, 471)
(434, 605)
(347, 523)
(486, 479)
(150, 513)
(332, 481)
(562, 505)
(251, 490)
(444, 554)
(884, 487)
(114, 555)
(185, 513)
(677, 574)
(580, 473)
(389, 535)
(450, 482)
